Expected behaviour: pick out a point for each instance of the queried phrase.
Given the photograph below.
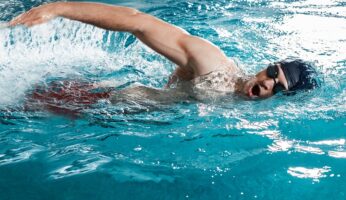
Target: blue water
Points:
(280, 148)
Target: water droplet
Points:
(137, 161)
(138, 148)
(218, 169)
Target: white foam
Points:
(3, 25)
(64, 48)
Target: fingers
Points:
(20, 18)
(33, 22)
(15, 21)
(29, 18)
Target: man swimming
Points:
(198, 61)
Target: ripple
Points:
(308, 149)
(11, 156)
(80, 167)
(337, 154)
(72, 149)
(171, 143)
(330, 142)
(133, 174)
(280, 145)
(313, 173)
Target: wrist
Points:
(60, 8)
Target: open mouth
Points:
(255, 90)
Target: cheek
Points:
(247, 85)
(251, 82)
(265, 93)
(261, 75)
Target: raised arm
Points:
(193, 54)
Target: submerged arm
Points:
(194, 54)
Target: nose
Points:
(268, 84)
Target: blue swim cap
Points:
(300, 75)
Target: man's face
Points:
(261, 85)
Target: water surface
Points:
(279, 148)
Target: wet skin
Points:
(195, 56)
(264, 83)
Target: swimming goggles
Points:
(272, 72)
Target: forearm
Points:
(114, 18)
(194, 54)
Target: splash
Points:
(61, 49)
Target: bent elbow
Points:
(143, 22)
(133, 12)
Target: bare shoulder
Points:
(232, 66)
(205, 57)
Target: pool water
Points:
(280, 148)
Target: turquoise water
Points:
(280, 148)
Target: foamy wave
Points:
(64, 48)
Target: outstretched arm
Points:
(192, 53)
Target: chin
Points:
(248, 87)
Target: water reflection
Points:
(202, 138)
(80, 167)
(313, 173)
(337, 154)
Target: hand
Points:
(36, 15)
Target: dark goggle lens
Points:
(272, 71)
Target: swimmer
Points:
(198, 61)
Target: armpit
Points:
(180, 74)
